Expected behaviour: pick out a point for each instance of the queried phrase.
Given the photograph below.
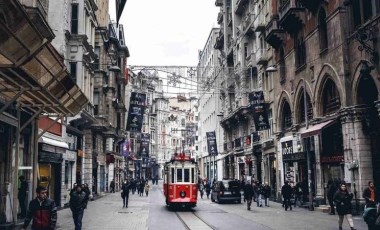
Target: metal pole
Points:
(15, 169)
(307, 147)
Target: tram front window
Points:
(187, 175)
(179, 175)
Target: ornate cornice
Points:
(353, 114)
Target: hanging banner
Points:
(136, 112)
(125, 148)
(144, 145)
(211, 143)
(260, 113)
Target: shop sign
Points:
(287, 148)
(332, 159)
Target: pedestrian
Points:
(298, 195)
(370, 195)
(77, 205)
(156, 179)
(208, 188)
(266, 192)
(248, 194)
(342, 199)
(125, 193)
(258, 193)
(112, 186)
(141, 187)
(146, 188)
(286, 192)
(201, 189)
(86, 190)
(369, 215)
(42, 211)
(331, 190)
(22, 193)
(133, 186)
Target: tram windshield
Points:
(182, 175)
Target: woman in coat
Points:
(343, 199)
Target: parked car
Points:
(226, 190)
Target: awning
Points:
(316, 129)
(222, 156)
(50, 141)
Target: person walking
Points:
(125, 193)
(42, 211)
(133, 186)
(146, 188)
(86, 190)
(298, 195)
(343, 199)
(266, 193)
(248, 194)
(370, 195)
(369, 215)
(112, 186)
(22, 193)
(331, 190)
(77, 205)
(208, 188)
(201, 189)
(258, 193)
(286, 192)
(141, 187)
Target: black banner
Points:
(260, 113)
(211, 143)
(144, 145)
(136, 112)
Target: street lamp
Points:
(353, 166)
(271, 69)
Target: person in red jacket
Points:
(42, 211)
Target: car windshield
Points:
(230, 185)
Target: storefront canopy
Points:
(316, 129)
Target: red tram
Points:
(181, 181)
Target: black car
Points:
(226, 190)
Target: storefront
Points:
(50, 160)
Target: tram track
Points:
(191, 220)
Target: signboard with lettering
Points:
(211, 143)
(259, 107)
(136, 112)
(144, 145)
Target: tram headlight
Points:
(182, 194)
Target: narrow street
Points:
(151, 213)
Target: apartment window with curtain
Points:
(74, 18)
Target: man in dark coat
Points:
(22, 193)
(266, 193)
(77, 206)
(248, 194)
(286, 192)
(125, 193)
(343, 199)
(42, 210)
(331, 190)
(87, 191)
(370, 195)
(112, 186)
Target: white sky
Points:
(166, 32)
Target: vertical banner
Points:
(136, 112)
(144, 144)
(211, 143)
(125, 148)
(260, 113)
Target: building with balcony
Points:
(326, 87)
(37, 93)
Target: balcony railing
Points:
(261, 57)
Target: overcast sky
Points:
(166, 32)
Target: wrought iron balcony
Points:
(240, 5)
(275, 35)
(218, 2)
(292, 15)
(219, 42)
(220, 17)
(311, 5)
(261, 57)
(248, 27)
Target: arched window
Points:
(330, 98)
(323, 40)
(282, 66)
(286, 119)
(301, 107)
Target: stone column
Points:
(87, 161)
(357, 147)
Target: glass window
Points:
(172, 173)
(192, 176)
(186, 173)
(179, 175)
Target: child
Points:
(146, 188)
